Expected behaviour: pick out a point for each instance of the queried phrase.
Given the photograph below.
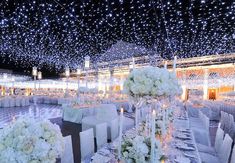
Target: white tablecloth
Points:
(75, 115)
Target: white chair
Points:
(219, 139)
(23, 102)
(218, 142)
(222, 155)
(106, 112)
(12, 102)
(114, 129)
(101, 134)
(223, 120)
(225, 150)
(27, 101)
(233, 155)
(200, 129)
(17, 101)
(6, 102)
(87, 143)
(67, 156)
(231, 128)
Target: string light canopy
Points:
(57, 33)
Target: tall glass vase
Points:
(138, 104)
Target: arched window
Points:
(192, 76)
(213, 75)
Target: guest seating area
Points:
(7, 102)
(223, 149)
(106, 113)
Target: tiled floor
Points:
(42, 110)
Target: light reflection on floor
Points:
(40, 110)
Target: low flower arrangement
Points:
(137, 149)
(32, 141)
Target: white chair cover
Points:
(222, 120)
(27, 101)
(6, 103)
(218, 142)
(219, 138)
(86, 143)
(201, 129)
(114, 129)
(107, 112)
(17, 101)
(12, 102)
(231, 128)
(223, 154)
(101, 134)
(225, 149)
(233, 155)
(67, 156)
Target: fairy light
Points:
(54, 35)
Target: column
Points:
(111, 70)
(205, 85)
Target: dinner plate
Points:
(182, 136)
(185, 147)
(181, 159)
(189, 155)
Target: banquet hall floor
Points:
(44, 110)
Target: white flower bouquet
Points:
(151, 82)
(30, 141)
(138, 149)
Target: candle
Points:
(165, 65)
(174, 64)
(153, 136)
(133, 62)
(120, 133)
(136, 118)
(164, 122)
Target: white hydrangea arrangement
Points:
(137, 149)
(31, 141)
(151, 82)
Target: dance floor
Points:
(44, 111)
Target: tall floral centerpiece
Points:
(150, 83)
(146, 86)
(31, 141)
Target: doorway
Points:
(212, 94)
